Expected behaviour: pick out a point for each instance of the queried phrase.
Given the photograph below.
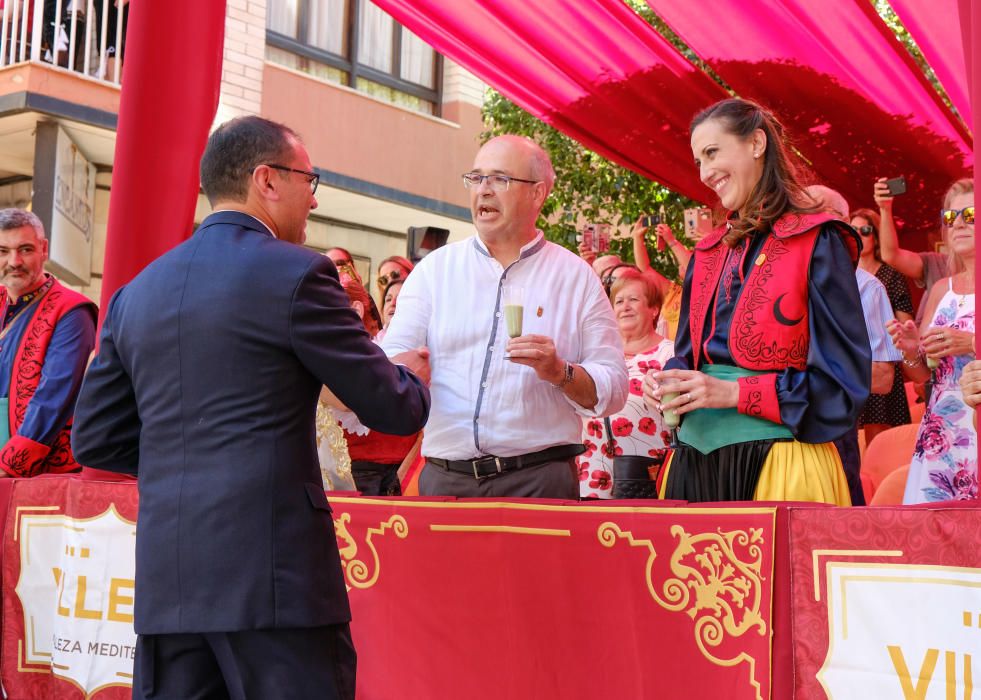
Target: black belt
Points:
(484, 467)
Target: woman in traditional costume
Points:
(772, 359)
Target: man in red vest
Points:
(46, 336)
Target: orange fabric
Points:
(889, 450)
(916, 407)
(410, 484)
(867, 489)
(890, 491)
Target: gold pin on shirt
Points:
(760, 259)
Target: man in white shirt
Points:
(509, 427)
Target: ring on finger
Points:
(687, 398)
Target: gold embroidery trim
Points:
(717, 586)
(357, 573)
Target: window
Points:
(355, 43)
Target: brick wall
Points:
(459, 85)
(245, 50)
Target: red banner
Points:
(450, 599)
(886, 602)
(68, 589)
(535, 599)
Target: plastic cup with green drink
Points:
(512, 299)
(670, 393)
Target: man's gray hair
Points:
(540, 163)
(541, 167)
(18, 218)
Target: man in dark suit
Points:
(205, 386)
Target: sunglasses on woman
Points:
(608, 278)
(393, 276)
(949, 216)
(866, 230)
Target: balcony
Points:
(81, 36)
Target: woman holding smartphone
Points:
(945, 459)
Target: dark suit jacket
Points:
(206, 384)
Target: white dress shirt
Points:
(877, 310)
(483, 404)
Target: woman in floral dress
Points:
(635, 430)
(944, 465)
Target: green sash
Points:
(4, 422)
(708, 429)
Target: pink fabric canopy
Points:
(935, 29)
(851, 98)
(848, 92)
(594, 70)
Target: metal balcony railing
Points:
(85, 36)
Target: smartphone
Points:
(596, 237)
(896, 185)
(698, 223)
(649, 221)
(603, 236)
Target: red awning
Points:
(848, 92)
(594, 70)
(935, 28)
(852, 99)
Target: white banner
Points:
(76, 587)
(902, 631)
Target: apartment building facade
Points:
(390, 125)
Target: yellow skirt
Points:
(795, 471)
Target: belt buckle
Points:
(496, 461)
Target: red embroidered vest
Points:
(22, 456)
(769, 330)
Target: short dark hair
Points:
(236, 148)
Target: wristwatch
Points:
(570, 374)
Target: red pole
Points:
(172, 77)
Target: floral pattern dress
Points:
(945, 465)
(636, 429)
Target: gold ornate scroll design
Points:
(357, 573)
(716, 579)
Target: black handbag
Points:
(630, 476)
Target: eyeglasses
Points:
(498, 183)
(393, 276)
(949, 216)
(347, 267)
(608, 277)
(314, 178)
(866, 230)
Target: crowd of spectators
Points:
(583, 385)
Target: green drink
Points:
(513, 301)
(932, 363)
(671, 418)
(513, 315)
